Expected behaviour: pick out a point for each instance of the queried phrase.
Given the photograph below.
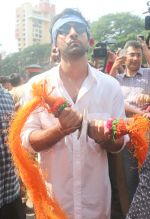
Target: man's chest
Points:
(132, 87)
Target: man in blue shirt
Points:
(10, 201)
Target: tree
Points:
(120, 26)
(16, 62)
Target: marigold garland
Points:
(136, 127)
(138, 139)
(29, 171)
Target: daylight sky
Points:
(91, 9)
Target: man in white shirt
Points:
(77, 168)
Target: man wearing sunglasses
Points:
(76, 162)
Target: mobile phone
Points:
(140, 37)
(122, 53)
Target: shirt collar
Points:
(91, 73)
(139, 72)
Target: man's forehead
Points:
(73, 23)
(133, 49)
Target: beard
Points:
(74, 50)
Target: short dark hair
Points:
(133, 43)
(68, 11)
(4, 79)
(15, 79)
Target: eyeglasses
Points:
(133, 54)
(79, 28)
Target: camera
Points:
(147, 18)
(147, 22)
(100, 51)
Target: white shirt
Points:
(77, 170)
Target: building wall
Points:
(33, 23)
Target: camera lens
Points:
(148, 3)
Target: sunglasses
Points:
(79, 28)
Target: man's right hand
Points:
(70, 120)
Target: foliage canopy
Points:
(16, 62)
(120, 27)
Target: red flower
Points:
(91, 42)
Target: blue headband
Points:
(63, 20)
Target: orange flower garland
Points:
(138, 141)
(29, 171)
(136, 128)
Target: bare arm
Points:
(146, 51)
(44, 139)
(68, 122)
(132, 109)
(117, 65)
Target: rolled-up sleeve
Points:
(32, 123)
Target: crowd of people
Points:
(91, 177)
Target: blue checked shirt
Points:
(9, 183)
(134, 86)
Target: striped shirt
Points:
(9, 183)
(134, 86)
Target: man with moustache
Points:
(135, 85)
(77, 167)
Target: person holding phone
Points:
(134, 83)
(119, 63)
(135, 80)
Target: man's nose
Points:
(73, 32)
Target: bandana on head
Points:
(63, 20)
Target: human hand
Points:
(146, 115)
(146, 50)
(140, 39)
(141, 99)
(119, 61)
(98, 132)
(69, 120)
(55, 56)
(111, 56)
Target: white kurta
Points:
(77, 170)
